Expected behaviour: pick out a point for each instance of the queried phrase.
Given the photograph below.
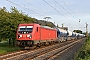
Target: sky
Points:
(73, 14)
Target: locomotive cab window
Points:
(25, 29)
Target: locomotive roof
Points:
(46, 27)
(27, 24)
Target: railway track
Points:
(45, 53)
(51, 54)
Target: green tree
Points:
(78, 31)
(9, 21)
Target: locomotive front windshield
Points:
(25, 29)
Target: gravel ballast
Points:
(69, 54)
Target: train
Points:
(28, 35)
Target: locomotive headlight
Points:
(28, 35)
(20, 35)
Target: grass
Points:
(84, 52)
(5, 48)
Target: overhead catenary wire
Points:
(63, 8)
(66, 10)
(55, 9)
(24, 7)
(69, 9)
(34, 6)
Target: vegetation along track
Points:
(40, 54)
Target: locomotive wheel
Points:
(30, 43)
(39, 45)
(17, 43)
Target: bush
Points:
(82, 54)
(88, 51)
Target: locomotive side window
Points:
(37, 29)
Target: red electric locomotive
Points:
(33, 34)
